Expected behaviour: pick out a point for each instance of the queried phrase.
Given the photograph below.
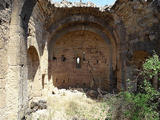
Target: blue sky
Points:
(97, 2)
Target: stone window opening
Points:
(97, 61)
(63, 59)
(7, 5)
(84, 56)
(43, 77)
(54, 58)
(63, 81)
(78, 62)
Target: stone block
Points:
(2, 98)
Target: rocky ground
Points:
(73, 104)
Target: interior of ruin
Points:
(71, 45)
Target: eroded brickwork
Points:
(142, 25)
(111, 43)
(93, 69)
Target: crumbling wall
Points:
(131, 27)
(5, 14)
(142, 26)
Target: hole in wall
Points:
(63, 81)
(22, 65)
(29, 32)
(7, 5)
(0, 22)
(78, 62)
(63, 59)
(54, 58)
(43, 76)
(84, 56)
(97, 61)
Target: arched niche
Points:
(94, 64)
(137, 60)
(104, 29)
(139, 57)
(32, 62)
(35, 82)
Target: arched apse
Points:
(32, 62)
(90, 24)
(81, 59)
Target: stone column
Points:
(16, 64)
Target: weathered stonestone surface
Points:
(141, 22)
(5, 12)
(111, 42)
(93, 69)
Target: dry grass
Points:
(68, 105)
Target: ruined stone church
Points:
(72, 45)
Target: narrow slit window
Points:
(43, 77)
(78, 62)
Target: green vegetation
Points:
(142, 105)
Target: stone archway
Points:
(96, 26)
(33, 63)
(17, 64)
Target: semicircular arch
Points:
(83, 19)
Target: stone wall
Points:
(142, 26)
(16, 39)
(5, 14)
(37, 35)
(94, 67)
(88, 19)
(36, 42)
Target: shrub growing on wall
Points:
(144, 104)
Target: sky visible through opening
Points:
(97, 2)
